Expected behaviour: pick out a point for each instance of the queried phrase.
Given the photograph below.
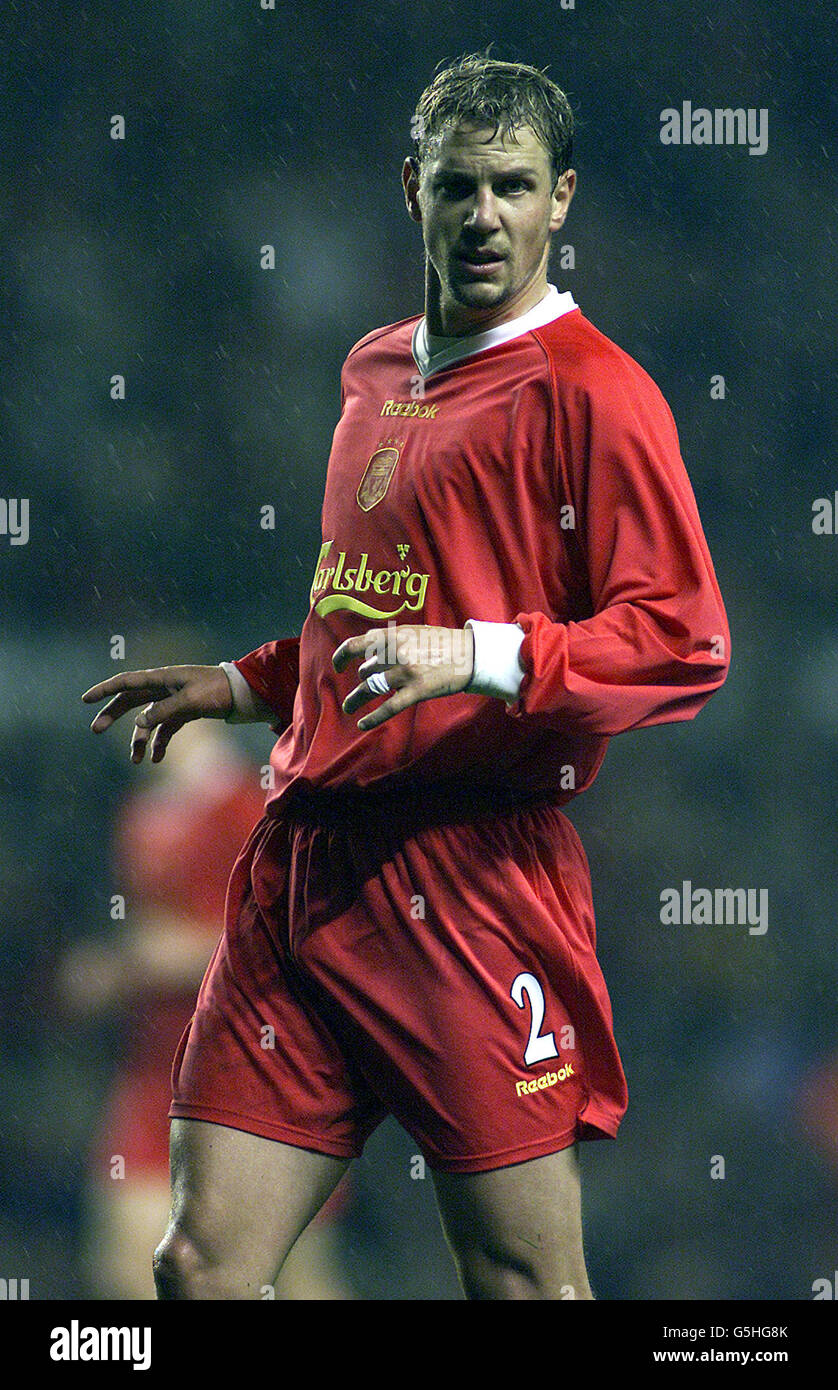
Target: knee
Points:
(484, 1278)
(178, 1267)
(185, 1270)
(502, 1276)
(490, 1276)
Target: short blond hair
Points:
(484, 91)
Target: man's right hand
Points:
(170, 696)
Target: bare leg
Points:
(517, 1232)
(313, 1270)
(239, 1202)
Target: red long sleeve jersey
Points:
(539, 482)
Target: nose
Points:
(483, 215)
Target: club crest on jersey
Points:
(377, 475)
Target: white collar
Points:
(432, 352)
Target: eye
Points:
(453, 188)
(514, 186)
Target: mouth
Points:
(479, 263)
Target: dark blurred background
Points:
(141, 256)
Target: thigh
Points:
(526, 1219)
(242, 1200)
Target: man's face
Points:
(487, 209)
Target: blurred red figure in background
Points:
(175, 842)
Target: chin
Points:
(477, 292)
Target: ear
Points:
(410, 183)
(561, 198)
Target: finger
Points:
(362, 694)
(402, 700)
(374, 667)
(350, 650)
(162, 736)
(127, 680)
(174, 706)
(120, 705)
(139, 740)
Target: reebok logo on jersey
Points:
(415, 409)
(540, 1083)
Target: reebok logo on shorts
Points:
(540, 1083)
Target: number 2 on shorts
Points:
(539, 1047)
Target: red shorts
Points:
(442, 973)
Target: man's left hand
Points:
(415, 663)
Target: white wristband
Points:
(247, 708)
(497, 670)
